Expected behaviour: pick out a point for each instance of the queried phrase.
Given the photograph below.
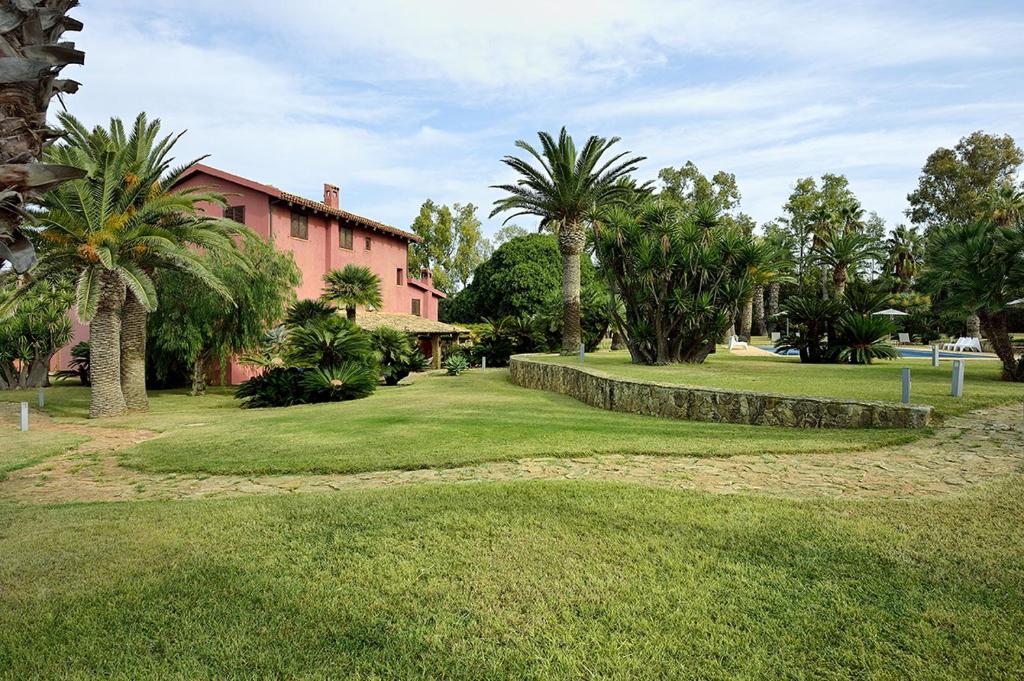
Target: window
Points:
(416, 307)
(345, 237)
(369, 243)
(236, 213)
(398, 278)
(300, 226)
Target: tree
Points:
(980, 268)
(516, 281)
(904, 256)
(687, 187)
(506, 233)
(681, 277)
(112, 230)
(38, 328)
(194, 326)
(812, 212)
(769, 264)
(954, 182)
(33, 57)
(351, 286)
(844, 252)
(564, 190)
(452, 245)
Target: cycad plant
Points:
(564, 188)
(33, 57)
(351, 286)
(112, 230)
(810, 316)
(863, 338)
(397, 354)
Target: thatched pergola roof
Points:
(409, 323)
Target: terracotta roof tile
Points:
(345, 215)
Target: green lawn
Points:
(18, 450)
(518, 581)
(438, 421)
(879, 381)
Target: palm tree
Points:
(113, 230)
(351, 286)
(33, 57)
(844, 252)
(1005, 204)
(903, 261)
(563, 190)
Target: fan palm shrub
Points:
(396, 353)
(564, 187)
(844, 252)
(302, 312)
(78, 366)
(862, 339)
(351, 286)
(810, 317)
(112, 230)
(33, 57)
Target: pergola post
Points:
(435, 347)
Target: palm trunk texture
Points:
(107, 399)
(133, 353)
(571, 239)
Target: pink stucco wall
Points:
(270, 217)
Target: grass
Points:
(438, 421)
(19, 450)
(879, 381)
(518, 581)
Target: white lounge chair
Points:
(735, 342)
(904, 339)
(971, 345)
(776, 335)
(952, 345)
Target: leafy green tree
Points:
(506, 233)
(814, 211)
(954, 183)
(38, 328)
(687, 187)
(194, 326)
(844, 252)
(564, 190)
(517, 280)
(113, 230)
(351, 286)
(452, 247)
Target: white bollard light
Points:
(957, 387)
(905, 397)
(42, 398)
(935, 355)
(24, 416)
(483, 362)
(583, 349)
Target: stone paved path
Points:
(966, 450)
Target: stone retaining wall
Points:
(709, 404)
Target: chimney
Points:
(427, 276)
(331, 195)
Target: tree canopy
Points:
(452, 246)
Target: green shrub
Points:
(281, 387)
(455, 364)
(862, 338)
(396, 353)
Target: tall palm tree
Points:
(113, 230)
(563, 189)
(769, 264)
(844, 252)
(1005, 204)
(33, 57)
(903, 260)
(351, 286)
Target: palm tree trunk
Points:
(106, 398)
(618, 340)
(198, 375)
(747, 318)
(998, 334)
(571, 239)
(133, 353)
(839, 279)
(974, 326)
(759, 324)
(774, 290)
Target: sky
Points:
(397, 102)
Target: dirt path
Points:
(970, 449)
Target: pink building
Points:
(321, 237)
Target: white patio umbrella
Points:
(783, 314)
(891, 313)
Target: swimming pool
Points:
(910, 353)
